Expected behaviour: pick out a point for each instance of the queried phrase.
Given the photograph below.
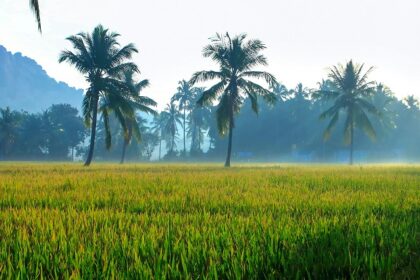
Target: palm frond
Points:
(331, 125)
(211, 94)
(35, 9)
(203, 76)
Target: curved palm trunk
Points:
(229, 151)
(93, 131)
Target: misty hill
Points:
(24, 85)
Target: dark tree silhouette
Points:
(236, 58)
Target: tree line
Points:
(114, 94)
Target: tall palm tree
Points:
(35, 9)
(137, 102)
(171, 119)
(236, 58)
(198, 119)
(350, 91)
(158, 127)
(99, 57)
(184, 97)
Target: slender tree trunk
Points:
(93, 131)
(193, 138)
(198, 133)
(125, 144)
(229, 151)
(351, 141)
(160, 147)
(185, 149)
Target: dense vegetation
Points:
(289, 131)
(180, 221)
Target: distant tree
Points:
(236, 58)
(412, 102)
(350, 92)
(32, 142)
(101, 60)
(383, 99)
(9, 126)
(63, 130)
(281, 91)
(184, 96)
(125, 110)
(171, 119)
(300, 91)
(199, 120)
(158, 128)
(149, 142)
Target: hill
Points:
(24, 85)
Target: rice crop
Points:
(185, 221)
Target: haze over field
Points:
(303, 37)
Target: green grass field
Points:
(190, 222)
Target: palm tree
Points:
(35, 9)
(412, 102)
(236, 58)
(281, 91)
(171, 119)
(158, 127)
(101, 60)
(184, 97)
(136, 102)
(198, 120)
(350, 90)
(301, 92)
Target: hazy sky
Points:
(303, 37)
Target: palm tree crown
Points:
(350, 90)
(236, 58)
(99, 57)
(134, 102)
(184, 96)
(171, 118)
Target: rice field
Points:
(156, 221)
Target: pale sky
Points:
(303, 37)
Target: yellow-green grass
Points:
(204, 221)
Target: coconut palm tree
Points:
(171, 119)
(158, 127)
(35, 9)
(99, 57)
(301, 92)
(198, 119)
(136, 102)
(281, 91)
(412, 102)
(236, 58)
(184, 97)
(351, 92)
